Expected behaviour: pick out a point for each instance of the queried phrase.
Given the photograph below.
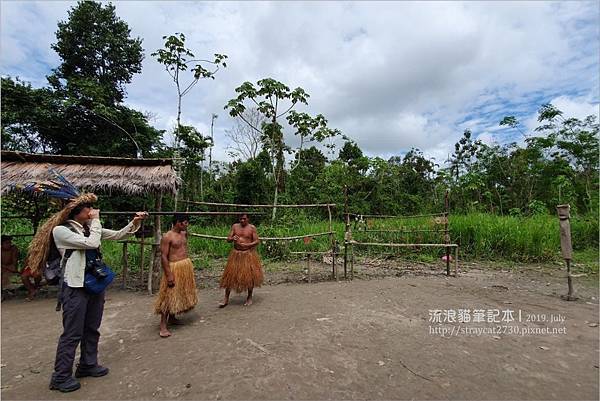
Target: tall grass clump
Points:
(535, 238)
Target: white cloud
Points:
(487, 138)
(579, 107)
(391, 75)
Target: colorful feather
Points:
(59, 187)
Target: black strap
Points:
(63, 263)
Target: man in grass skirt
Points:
(243, 270)
(177, 287)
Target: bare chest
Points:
(243, 232)
(178, 240)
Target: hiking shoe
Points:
(94, 371)
(65, 387)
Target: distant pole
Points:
(156, 253)
(212, 124)
(565, 245)
(346, 229)
(446, 231)
(201, 177)
(177, 168)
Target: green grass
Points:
(480, 236)
(586, 260)
(524, 239)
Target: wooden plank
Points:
(387, 216)
(156, 262)
(456, 262)
(134, 242)
(142, 255)
(332, 241)
(312, 253)
(403, 245)
(172, 213)
(400, 231)
(324, 205)
(262, 238)
(124, 266)
(351, 262)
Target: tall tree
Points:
(576, 142)
(25, 110)
(274, 100)
(98, 55)
(465, 151)
(98, 58)
(353, 156)
(303, 181)
(246, 141)
(177, 59)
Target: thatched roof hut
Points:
(129, 176)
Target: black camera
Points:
(96, 268)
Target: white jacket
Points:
(65, 239)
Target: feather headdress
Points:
(58, 187)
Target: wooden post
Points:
(351, 262)
(346, 228)
(569, 296)
(308, 268)
(447, 233)
(142, 241)
(124, 266)
(156, 263)
(456, 262)
(332, 240)
(565, 245)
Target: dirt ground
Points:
(371, 338)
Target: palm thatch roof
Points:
(90, 173)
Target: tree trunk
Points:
(202, 178)
(156, 262)
(275, 201)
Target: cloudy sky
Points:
(390, 75)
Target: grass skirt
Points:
(243, 271)
(183, 296)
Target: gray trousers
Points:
(82, 315)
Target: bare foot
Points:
(248, 302)
(223, 304)
(164, 333)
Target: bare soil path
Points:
(365, 339)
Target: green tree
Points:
(192, 152)
(303, 182)
(350, 168)
(98, 55)
(251, 183)
(274, 100)
(416, 177)
(576, 142)
(177, 59)
(465, 151)
(353, 156)
(98, 58)
(561, 160)
(25, 111)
